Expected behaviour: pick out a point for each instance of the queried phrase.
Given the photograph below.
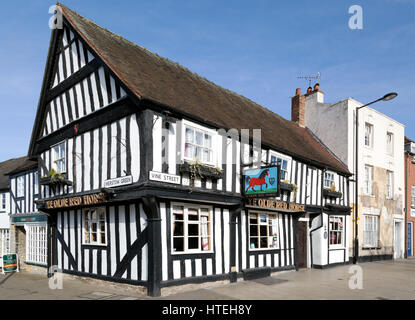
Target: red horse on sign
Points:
(260, 181)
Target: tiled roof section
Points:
(13, 165)
(152, 77)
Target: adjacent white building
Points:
(381, 169)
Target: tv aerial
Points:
(311, 78)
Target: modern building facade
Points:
(410, 196)
(142, 172)
(381, 188)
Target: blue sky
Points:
(255, 48)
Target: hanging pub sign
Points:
(263, 182)
(10, 263)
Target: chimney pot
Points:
(316, 86)
(298, 92)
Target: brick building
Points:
(410, 196)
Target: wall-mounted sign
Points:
(29, 219)
(274, 205)
(117, 182)
(164, 177)
(10, 263)
(263, 182)
(85, 200)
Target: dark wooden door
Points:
(302, 244)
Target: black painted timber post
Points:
(152, 211)
(295, 230)
(234, 214)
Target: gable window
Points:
(59, 157)
(367, 187)
(336, 230)
(370, 231)
(94, 226)
(389, 143)
(20, 187)
(389, 184)
(198, 145)
(368, 135)
(284, 163)
(328, 179)
(263, 231)
(191, 229)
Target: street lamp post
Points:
(386, 97)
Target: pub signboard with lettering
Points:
(262, 182)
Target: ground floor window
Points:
(4, 241)
(191, 229)
(370, 231)
(336, 231)
(263, 231)
(36, 244)
(94, 226)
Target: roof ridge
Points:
(172, 62)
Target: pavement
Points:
(385, 280)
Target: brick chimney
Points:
(298, 108)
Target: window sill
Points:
(371, 248)
(190, 253)
(264, 249)
(203, 171)
(93, 245)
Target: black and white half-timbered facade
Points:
(141, 171)
(29, 226)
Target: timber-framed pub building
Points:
(142, 177)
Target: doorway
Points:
(302, 244)
(398, 249)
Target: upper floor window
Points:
(94, 226)
(389, 143)
(36, 182)
(389, 184)
(198, 145)
(328, 179)
(368, 180)
(3, 201)
(59, 157)
(413, 196)
(191, 229)
(284, 165)
(336, 231)
(368, 135)
(20, 187)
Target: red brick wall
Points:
(409, 182)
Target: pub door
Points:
(302, 244)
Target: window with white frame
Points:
(36, 182)
(36, 244)
(198, 145)
(20, 187)
(370, 231)
(413, 196)
(328, 179)
(59, 157)
(389, 184)
(368, 135)
(336, 231)
(368, 180)
(284, 163)
(3, 201)
(94, 226)
(4, 241)
(263, 231)
(389, 143)
(191, 229)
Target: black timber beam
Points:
(99, 118)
